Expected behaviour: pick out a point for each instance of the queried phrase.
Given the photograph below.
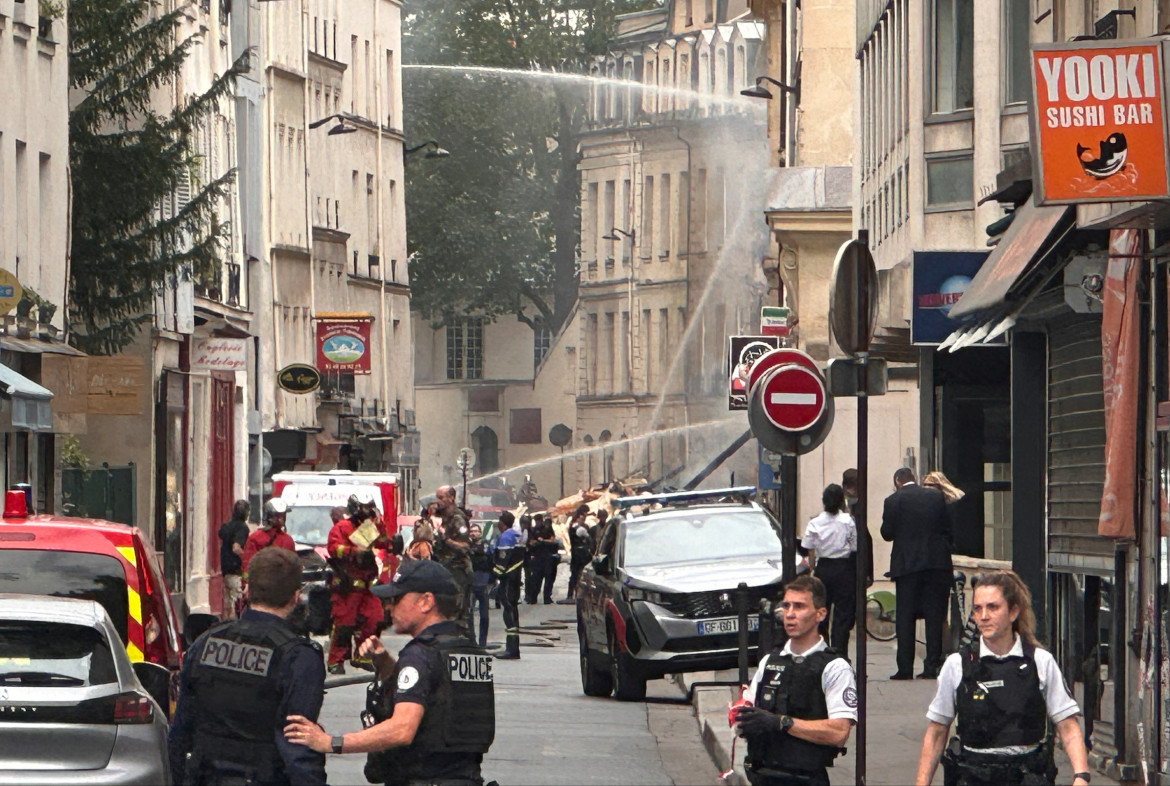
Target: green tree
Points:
(126, 157)
(495, 228)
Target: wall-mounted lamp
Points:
(618, 234)
(340, 128)
(759, 91)
(434, 150)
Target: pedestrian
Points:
(353, 607)
(580, 546)
(271, 532)
(856, 507)
(233, 534)
(482, 579)
(453, 546)
(1005, 696)
(802, 699)
(509, 558)
(526, 528)
(239, 682)
(422, 542)
(939, 482)
(430, 714)
(831, 537)
(919, 524)
(546, 555)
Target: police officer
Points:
(1005, 695)
(509, 558)
(431, 714)
(239, 682)
(804, 697)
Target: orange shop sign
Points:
(1099, 121)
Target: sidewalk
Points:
(896, 721)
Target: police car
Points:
(663, 599)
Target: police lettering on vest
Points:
(237, 656)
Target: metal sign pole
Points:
(861, 559)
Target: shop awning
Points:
(30, 401)
(36, 346)
(1033, 233)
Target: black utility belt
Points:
(981, 757)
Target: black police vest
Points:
(791, 685)
(236, 694)
(999, 701)
(461, 717)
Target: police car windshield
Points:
(700, 536)
(309, 524)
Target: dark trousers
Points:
(776, 778)
(840, 579)
(544, 574)
(479, 596)
(509, 595)
(921, 594)
(575, 567)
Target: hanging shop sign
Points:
(220, 354)
(343, 346)
(940, 280)
(298, 378)
(1099, 121)
(10, 291)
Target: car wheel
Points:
(594, 681)
(626, 686)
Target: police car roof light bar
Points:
(745, 493)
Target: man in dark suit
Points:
(916, 519)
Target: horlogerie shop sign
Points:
(1099, 121)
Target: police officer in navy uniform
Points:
(802, 699)
(239, 682)
(1007, 694)
(430, 715)
(509, 558)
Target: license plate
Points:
(725, 625)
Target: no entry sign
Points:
(793, 397)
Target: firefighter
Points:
(509, 557)
(430, 715)
(354, 608)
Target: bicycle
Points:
(881, 615)
(880, 608)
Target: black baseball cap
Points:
(421, 575)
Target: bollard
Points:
(741, 606)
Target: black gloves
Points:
(753, 721)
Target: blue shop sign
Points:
(940, 279)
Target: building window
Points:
(524, 427)
(953, 78)
(1018, 61)
(541, 341)
(950, 181)
(465, 349)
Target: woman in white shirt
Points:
(831, 538)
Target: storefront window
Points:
(997, 511)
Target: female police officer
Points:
(1004, 695)
(434, 708)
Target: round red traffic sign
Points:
(793, 397)
(778, 357)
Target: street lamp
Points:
(340, 128)
(614, 233)
(434, 152)
(759, 91)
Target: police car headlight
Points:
(650, 596)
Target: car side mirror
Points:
(603, 565)
(195, 626)
(156, 681)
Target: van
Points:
(97, 560)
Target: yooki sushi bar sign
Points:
(1099, 122)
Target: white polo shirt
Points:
(837, 681)
(1060, 704)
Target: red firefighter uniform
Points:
(354, 608)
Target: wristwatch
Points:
(1082, 775)
(337, 740)
(785, 722)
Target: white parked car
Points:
(73, 709)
